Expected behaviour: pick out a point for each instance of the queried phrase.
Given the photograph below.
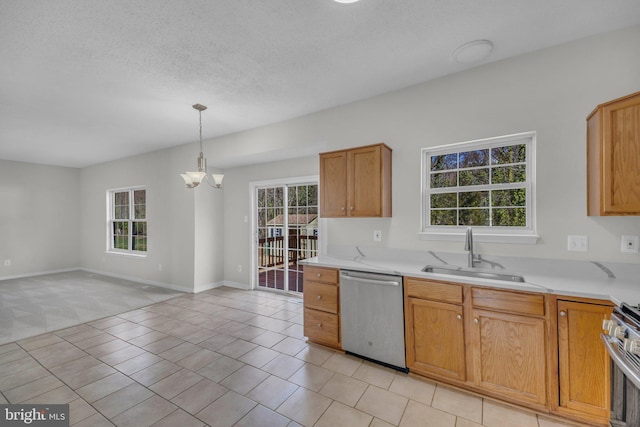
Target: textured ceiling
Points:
(85, 81)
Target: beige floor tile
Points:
(179, 418)
(244, 379)
(121, 400)
(145, 413)
(463, 422)
(32, 389)
(39, 341)
(107, 347)
(283, 366)
(148, 338)
(79, 409)
(544, 421)
(163, 344)
(132, 333)
(4, 348)
(180, 351)
(304, 406)
(103, 387)
(217, 341)
(176, 383)
(227, 410)
(83, 335)
(107, 322)
(373, 374)
(311, 377)
(379, 423)
(339, 415)
(22, 376)
(155, 372)
(315, 354)
(290, 346)
(199, 335)
(458, 403)
(60, 395)
(196, 398)
(199, 359)
(260, 416)
(95, 420)
(94, 341)
(220, 368)
(342, 364)
(259, 356)
(236, 348)
(295, 331)
(419, 415)
(248, 333)
(12, 356)
(137, 363)
(344, 389)
(497, 415)
(56, 354)
(272, 392)
(268, 339)
(413, 388)
(121, 355)
(382, 404)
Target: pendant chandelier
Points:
(193, 179)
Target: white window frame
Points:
(495, 234)
(111, 218)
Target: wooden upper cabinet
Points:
(356, 182)
(613, 157)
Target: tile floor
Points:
(226, 357)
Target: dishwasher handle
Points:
(370, 281)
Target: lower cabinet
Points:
(321, 293)
(510, 355)
(583, 363)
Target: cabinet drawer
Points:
(319, 274)
(437, 291)
(322, 327)
(508, 301)
(321, 296)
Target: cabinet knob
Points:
(318, 275)
(475, 320)
(459, 317)
(319, 325)
(341, 208)
(350, 208)
(563, 313)
(319, 297)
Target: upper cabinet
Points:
(613, 157)
(356, 182)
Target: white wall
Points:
(194, 237)
(550, 92)
(39, 218)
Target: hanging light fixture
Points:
(193, 179)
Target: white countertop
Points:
(617, 282)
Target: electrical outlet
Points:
(578, 243)
(7, 263)
(629, 244)
(377, 235)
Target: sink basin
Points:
(473, 272)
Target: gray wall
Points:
(198, 237)
(39, 218)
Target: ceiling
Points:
(89, 81)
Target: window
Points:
(128, 220)
(487, 184)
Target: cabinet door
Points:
(584, 363)
(333, 184)
(435, 338)
(510, 356)
(364, 181)
(621, 125)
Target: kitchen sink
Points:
(473, 272)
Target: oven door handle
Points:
(619, 361)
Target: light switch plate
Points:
(578, 243)
(377, 235)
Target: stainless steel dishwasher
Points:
(372, 317)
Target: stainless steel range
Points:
(622, 339)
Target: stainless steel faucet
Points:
(468, 246)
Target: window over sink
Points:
(487, 184)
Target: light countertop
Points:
(617, 282)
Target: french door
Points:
(286, 225)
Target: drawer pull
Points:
(475, 320)
(563, 313)
(319, 297)
(459, 317)
(319, 325)
(318, 274)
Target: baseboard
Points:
(138, 280)
(236, 285)
(202, 288)
(38, 273)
